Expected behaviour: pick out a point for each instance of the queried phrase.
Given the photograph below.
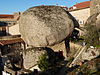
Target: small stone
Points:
(90, 54)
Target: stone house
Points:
(11, 48)
(81, 11)
(10, 41)
(9, 44)
(9, 25)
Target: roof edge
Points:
(78, 9)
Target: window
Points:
(81, 22)
(2, 31)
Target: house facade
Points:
(81, 11)
(9, 25)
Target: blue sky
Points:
(11, 6)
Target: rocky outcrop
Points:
(90, 53)
(94, 20)
(94, 6)
(95, 10)
(43, 26)
(87, 68)
(98, 22)
(31, 56)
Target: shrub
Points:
(43, 63)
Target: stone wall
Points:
(31, 57)
(61, 47)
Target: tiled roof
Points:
(6, 16)
(10, 41)
(80, 5)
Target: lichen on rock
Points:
(43, 26)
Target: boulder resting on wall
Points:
(43, 26)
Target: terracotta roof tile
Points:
(12, 41)
(6, 16)
(81, 5)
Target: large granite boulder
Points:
(43, 26)
(95, 12)
(98, 22)
(94, 6)
(94, 20)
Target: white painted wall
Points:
(14, 30)
(81, 15)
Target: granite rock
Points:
(94, 20)
(43, 26)
(94, 6)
